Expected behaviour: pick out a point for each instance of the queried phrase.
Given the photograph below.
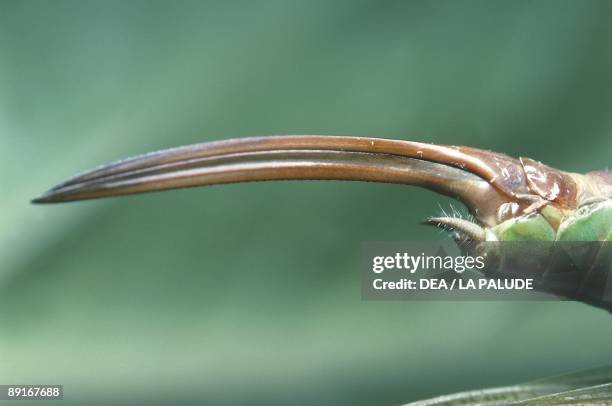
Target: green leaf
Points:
(587, 385)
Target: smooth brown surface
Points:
(483, 180)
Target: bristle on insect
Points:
(468, 228)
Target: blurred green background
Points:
(250, 294)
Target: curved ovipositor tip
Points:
(483, 180)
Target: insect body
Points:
(510, 200)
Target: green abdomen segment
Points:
(573, 261)
(590, 223)
(528, 228)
